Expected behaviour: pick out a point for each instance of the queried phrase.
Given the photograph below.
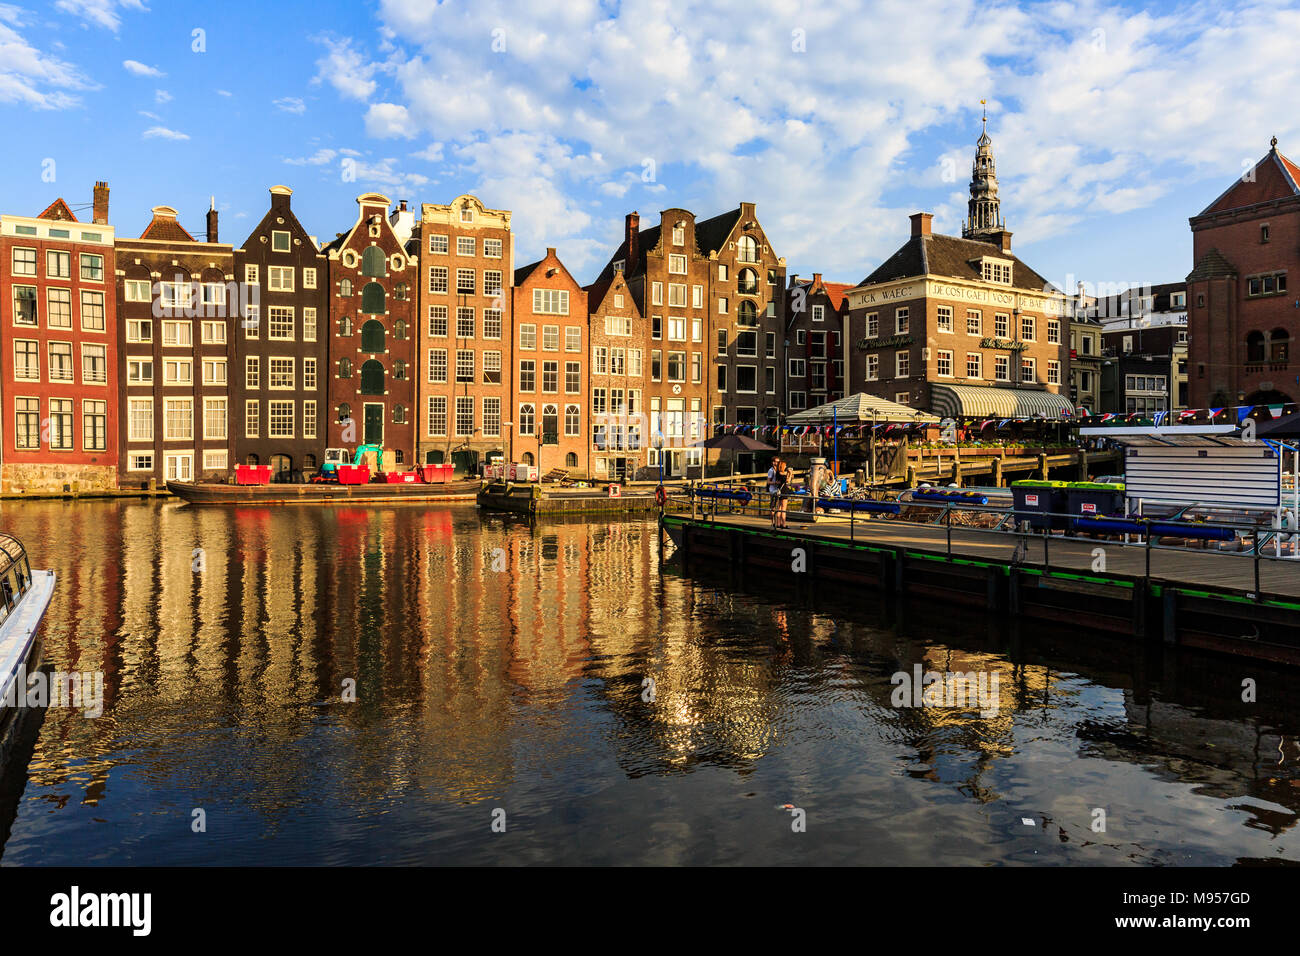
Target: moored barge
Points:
(24, 596)
(320, 492)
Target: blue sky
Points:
(1111, 124)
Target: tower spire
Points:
(984, 213)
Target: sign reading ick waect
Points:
(973, 293)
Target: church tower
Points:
(984, 214)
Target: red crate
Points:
(252, 474)
(353, 474)
(401, 477)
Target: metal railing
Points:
(709, 501)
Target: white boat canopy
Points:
(859, 409)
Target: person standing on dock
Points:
(777, 477)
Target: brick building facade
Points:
(281, 352)
(372, 348)
(176, 303)
(1242, 319)
(550, 382)
(58, 333)
(618, 331)
(815, 342)
(465, 332)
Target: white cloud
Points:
(153, 116)
(385, 174)
(387, 120)
(161, 96)
(291, 104)
(141, 69)
(102, 13)
(162, 132)
(346, 70)
(1095, 108)
(319, 158)
(431, 153)
(224, 93)
(30, 77)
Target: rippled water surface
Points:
(503, 671)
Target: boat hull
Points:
(21, 652)
(320, 493)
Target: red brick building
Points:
(550, 370)
(465, 348)
(371, 388)
(59, 341)
(1242, 319)
(815, 338)
(176, 304)
(618, 373)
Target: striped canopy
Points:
(982, 401)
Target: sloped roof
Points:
(710, 235)
(1212, 265)
(523, 272)
(1273, 177)
(58, 210)
(163, 226)
(941, 255)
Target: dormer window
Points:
(679, 234)
(618, 265)
(995, 270)
(466, 214)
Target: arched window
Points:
(345, 288)
(526, 420)
(571, 460)
(747, 249)
(528, 458)
(550, 423)
(372, 261)
(747, 281)
(1279, 344)
(345, 368)
(1255, 347)
(251, 460)
(372, 378)
(345, 326)
(572, 420)
(280, 463)
(399, 329)
(746, 313)
(399, 370)
(372, 299)
(308, 462)
(372, 336)
(399, 414)
(345, 412)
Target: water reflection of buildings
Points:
(483, 649)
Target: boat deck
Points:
(1209, 569)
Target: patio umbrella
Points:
(735, 443)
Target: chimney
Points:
(280, 197)
(212, 220)
(550, 252)
(632, 230)
(1004, 240)
(817, 279)
(101, 204)
(921, 223)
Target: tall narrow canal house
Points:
(176, 301)
(550, 378)
(617, 371)
(281, 360)
(465, 328)
(961, 326)
(372, 278)
(712, 293)
(59, 340)
(815, 342)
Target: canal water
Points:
(422, 685)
